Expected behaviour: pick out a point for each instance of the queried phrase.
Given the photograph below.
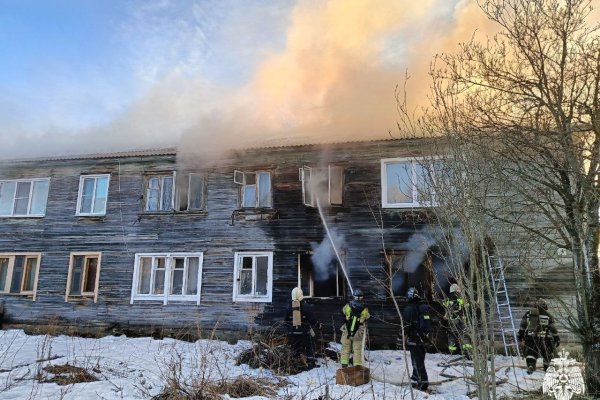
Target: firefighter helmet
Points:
(297, 294)
(541, 304)
(412, 293)
(358, 294)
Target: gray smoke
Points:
(418, 245)
(448, 249)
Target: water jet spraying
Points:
(337, 253)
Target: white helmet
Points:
(454, 288)
(297, 294)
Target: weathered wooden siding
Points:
(218, 232)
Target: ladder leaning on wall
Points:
(503, 309)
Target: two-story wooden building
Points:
(141, 242)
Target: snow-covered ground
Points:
(138, 368)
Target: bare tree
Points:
(529, 100)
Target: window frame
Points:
(86, 255)
(32, 181)
(306, 174)
(161, 177)
(175, 203)
(10, 270)
(96, 177)
(416, 203)
(240, 178)
(166, 297)
(238, 256)
(340, 279)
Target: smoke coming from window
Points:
(323, 258)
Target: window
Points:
(84, 273)
(320, 280)
(159, 193)
(405, 183)
(93, 193)
(253, 277)
(19, 273)
(167, 277)
(326, 184)
(187, 194)
(255, 188)
(24, 197)
(406, 268)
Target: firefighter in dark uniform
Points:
(458, 338)
(302, 323)
(417, 326)
(353, 329)
(539, 333)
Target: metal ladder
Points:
(507, 324)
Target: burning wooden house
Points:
(138, 242)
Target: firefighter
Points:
(302, 325)
(353, 329)
(417, 326)
(539, 333)
(458, 339)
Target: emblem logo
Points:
(563, 378)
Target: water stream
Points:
(337, 253)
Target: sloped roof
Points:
(172, 151)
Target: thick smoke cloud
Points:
(333, 79)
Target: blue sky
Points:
(94, 75)
(76, 63)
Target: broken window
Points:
(24, 197)
(253, 276)
(93, 194)
(255, 188)
(167, 277)
(406, 182)
(405, 269)
(324, 184)
(19, 273)
(321, 279)
(84, 272)
(174, 192)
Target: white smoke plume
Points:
(448, 249)
(323, 256)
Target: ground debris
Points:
(67, 374)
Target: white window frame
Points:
(240, 177)
(238, 256)
(9, 273)
(309, 192)
(96, 177)
(84, 274)
(166, 296)
(414, 162)
(30, 198)
(161, 190)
